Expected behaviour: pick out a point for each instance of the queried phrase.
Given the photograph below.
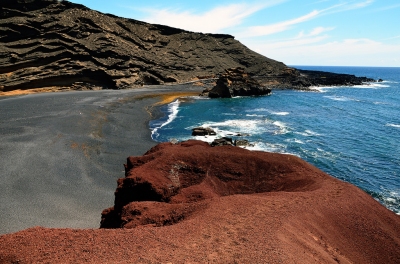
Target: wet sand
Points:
(61, 153)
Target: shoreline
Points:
(63, 152)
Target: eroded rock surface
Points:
(50, 43)
(57, 43)
(236, 82)
(176, 180)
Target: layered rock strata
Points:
(50, 43)
(236, 82)
(58, 43)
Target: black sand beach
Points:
(61, 153)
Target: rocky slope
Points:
(192, 203)
(53, 43)
(50, 43)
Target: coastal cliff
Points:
(193, 203)
(62, 46)
(58, 43)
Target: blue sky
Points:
(306, 32)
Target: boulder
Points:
(203, 131)
(222, 142)
(236, 82)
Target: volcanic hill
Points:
(193, 203)
(61, 45)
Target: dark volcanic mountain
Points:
(50, 43)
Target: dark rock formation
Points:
(46, 43)
(51, 43)
(225, 141)
(291, 78)
(236, 82)
(242, 143)
(203, 131)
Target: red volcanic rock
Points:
(191, 203)
(181, 176)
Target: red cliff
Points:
(192, 203)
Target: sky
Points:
(306, 32)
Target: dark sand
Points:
(61, 153)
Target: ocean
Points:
(352, 133)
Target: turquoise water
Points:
(352, 133)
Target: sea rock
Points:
(242, 143)
(224, 141)
(236, 82)
(203, 131)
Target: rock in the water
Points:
(242, 143)
(236, 82)
(203, 131)
(222, 142)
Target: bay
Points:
(352, 133)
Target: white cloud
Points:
(348, 52)
(212, 21)
(265, 30)
(257, 31)
(316, 31)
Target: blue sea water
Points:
(352, 133)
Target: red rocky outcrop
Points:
(193, 203)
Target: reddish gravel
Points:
(224, 205)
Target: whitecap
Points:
(258, 110)
(254, 115)
(307, 133)
(173, 109)
(283, 128)
(371, 86)
(341, 98)
(322, 89)
(294, 140)
(235, 123)
(280, 113)
(393, 125)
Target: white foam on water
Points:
(173, 109)
(268, 147)
(258, 110)
(341, 98)
(308, 133)
(235, 126)
(322, 89)
(393, 125)
(280, 113)
(254, 115)
(371, 86)
(283, 128)
(294, 140)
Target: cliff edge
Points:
(193, 203)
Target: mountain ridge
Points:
(53, 43)
(67, 46)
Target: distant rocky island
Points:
(66, 46)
